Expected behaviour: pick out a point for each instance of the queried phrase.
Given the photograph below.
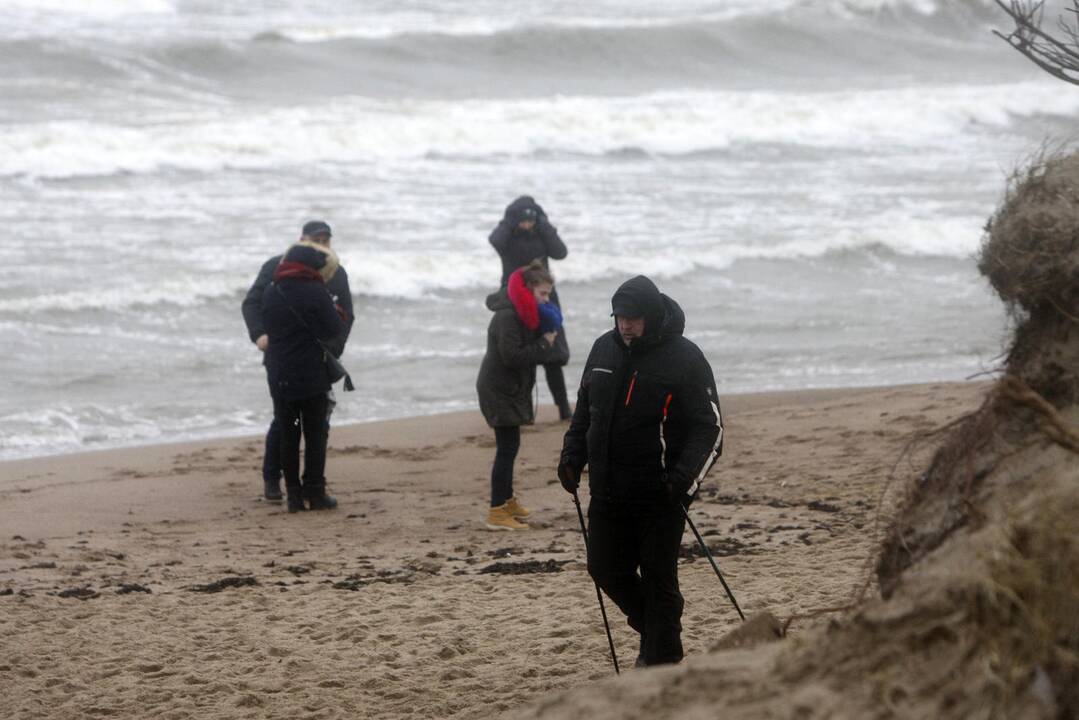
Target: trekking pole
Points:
(707, 554)
(599, 595)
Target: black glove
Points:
(569, 476)
(677, 489)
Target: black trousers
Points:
(271, 454)
(633, 557)
(306, 418)
(507, 443)
(556, 383)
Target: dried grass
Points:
(1030, 252)
(998, 506)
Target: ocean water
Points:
(808, 178)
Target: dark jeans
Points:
(624, 539)
(507, 443)
(271, 455)
(305, 417)
(556, 383)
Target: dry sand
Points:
(400, 604)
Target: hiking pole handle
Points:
(599, 595)
(708, 554)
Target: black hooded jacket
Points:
(251, 307)
(297, 314)
(646, 410)
(517, 247)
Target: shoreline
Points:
(155, 581)
(764, 397)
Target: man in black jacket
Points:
(315, 231)
(648, 426)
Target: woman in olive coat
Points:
(516, 344)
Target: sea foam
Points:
(667, 123)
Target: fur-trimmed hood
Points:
(307, 261)
(518, 296)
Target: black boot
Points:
(319, 500)
(271, 490)
(640, 662)
(295, 498)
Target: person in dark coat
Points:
(515, 345)
(300, 316)
(648, 426)
(318, 232)
(525, 234)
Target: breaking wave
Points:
(668, 123)
(420, 274)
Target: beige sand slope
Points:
(399, 604)
(979, 568)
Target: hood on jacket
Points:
(663, 317)
(518, 210)
(498, 300)
(307, 260)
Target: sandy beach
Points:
(155, 581)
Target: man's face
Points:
(319, 239)
(527, 225)
(629, 328)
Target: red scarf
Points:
(524, 300)
(296, 271)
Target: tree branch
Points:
(1059, 58)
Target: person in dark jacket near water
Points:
(525, 234)
(315, 231)
(515, 345)
(299, 316)
(648, 426)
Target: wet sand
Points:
(156, 582)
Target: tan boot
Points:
(500, 518)
(517, 510)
